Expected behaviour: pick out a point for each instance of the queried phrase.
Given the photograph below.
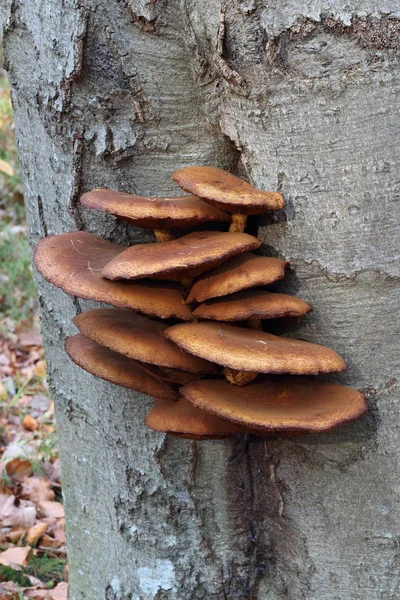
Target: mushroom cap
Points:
(199, 438)
(252, 304)
(226, 191)
(252, 350)
(295, 404)
(189, 255)
(244, 271)
(159, 213)
(73, 262)
(183, 417)
(106, 364)
(137, 337)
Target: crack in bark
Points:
(42, 219)
(376, 33)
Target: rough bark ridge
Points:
(299, 96)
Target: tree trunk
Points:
(296, 96)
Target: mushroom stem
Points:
(254, 323)
(163, 235)
(238, 223)
(239, 377)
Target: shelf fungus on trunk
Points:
(252, 306)
(157, 357)
(179, 259)
(282, 404)
(74, 261)
(244, 271)
(227, 192)
(183, 419)
(116, 368)
(160, 214)
(138, 337)
(250, 351)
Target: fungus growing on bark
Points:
(246, 351)
(252, 304)
(160, 214)
(120, 370)
(186, 420)
(74, 261)
(184, 257)
(137, 337)
(295, 404)
(227, 192)
(244, 271)
(150, 356)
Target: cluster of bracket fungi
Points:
(187, 322)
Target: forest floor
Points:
(32, 528)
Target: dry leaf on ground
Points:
(30, 338)
(37, 489)
(15, 556)
(29, 423)
(36, 532)
(18, 468)
(53, 510)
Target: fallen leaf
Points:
(9, 590)
(60, 592)
(50, 542)
(15, 556)
(37, 489)
(30, 338)
(40, 369)
(3, 392)
(15, 534)
(5, 167)
(13, 516)
(53, 470)
(52, 509)
(37, 594)
(18, 469)
(36, 532)
(29, 423)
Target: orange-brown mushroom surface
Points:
(183, 417)
(252, 304)
(226, 191)
(111, 366)
(137, 337)
(160, 213)
(73, 262)
(244, 271)
(295, 404)
(189, 255)
(252, 350)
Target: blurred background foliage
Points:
(17, 293)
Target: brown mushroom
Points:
(111, 366)
(73, 262)
(184, 257)
(244, 271)
(228, 192)
(294, 404)
(250, 351)
(160, 214)
(137, 337)
(183, 418)
(252, 305)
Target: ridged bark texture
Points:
(297, 96)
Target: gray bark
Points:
(297, 96)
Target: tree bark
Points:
(296, 96)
